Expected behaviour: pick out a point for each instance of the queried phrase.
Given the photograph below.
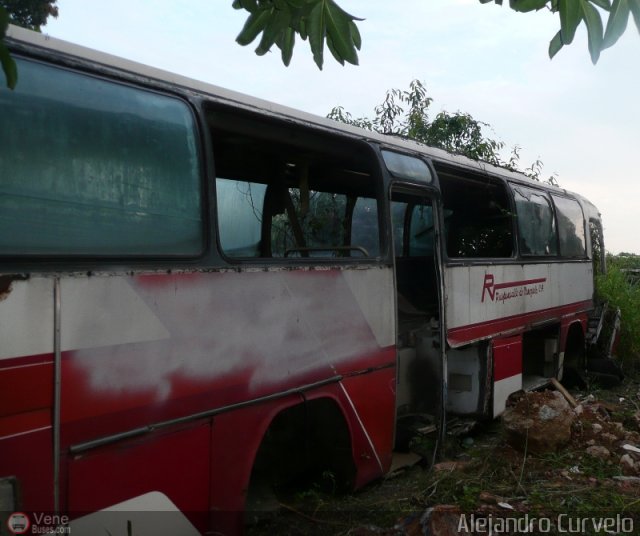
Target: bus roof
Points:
(270, 109)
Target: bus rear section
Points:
(517, 278)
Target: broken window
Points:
(284, 192)
(92, 167)
(537, 226)
(413, 227)
(477, 217)
(570, 227)
(597, 247)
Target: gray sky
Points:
(582, 121)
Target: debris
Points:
(597, 428)
(450, 466)
(539, 422)
(505, 505)
(443, 520)
(460, 426)
(427, 429)
(627, 462)
(631, 448)
(489, 498)
(402, 460)
(633, 479)
(547, 413)
(598, 451)
(565, 393)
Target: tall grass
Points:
(617, 288)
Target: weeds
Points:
(616, 288)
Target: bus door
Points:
(421, 386)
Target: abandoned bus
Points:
(202, 293)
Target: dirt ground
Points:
(596, 474)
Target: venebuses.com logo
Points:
(38, 523)
(18, 523)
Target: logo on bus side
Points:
(501, 292)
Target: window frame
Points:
(461, 174)
(254, 126)
(111, 76)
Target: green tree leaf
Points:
(634, 6)
(524, 6)
(594, 29)
(4, 22)
(604, 4)
(617, 23)
(278, 22)
(253, 26)
(570, 17)
(339, 30)
(9, 66)
(286, 43)
(555, 45)
(316, 29)
(334, 51)
(355, 34)
(250, 5)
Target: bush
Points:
(616, 288)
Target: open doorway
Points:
(421, 367)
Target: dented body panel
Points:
(151, 354)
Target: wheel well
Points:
(574, 347)
(305, 444)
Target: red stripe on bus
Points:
(484, 330)
(26, 387)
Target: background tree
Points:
(405, 114)
(31, 14)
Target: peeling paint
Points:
(6, 284)
(141, 334)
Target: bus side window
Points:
(364, 225)
(284, 192)
(570, 227)
(240, 208)
(537, 226)
(95, 168)
(478, 218)
(421, 238)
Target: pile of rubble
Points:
(546, 421)
(585, 431)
